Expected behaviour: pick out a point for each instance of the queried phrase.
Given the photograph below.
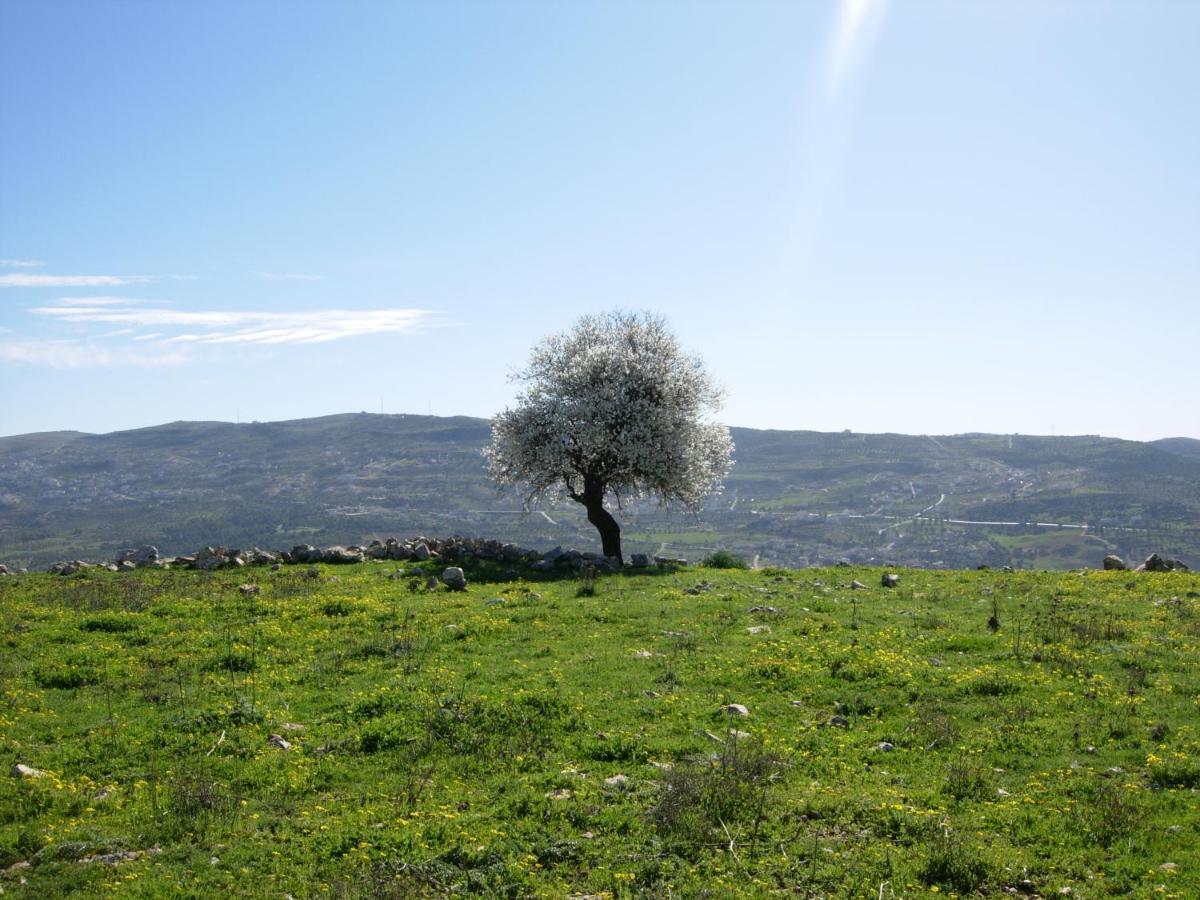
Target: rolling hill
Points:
(793, 498)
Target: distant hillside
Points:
(795, 497)
(1189, 447)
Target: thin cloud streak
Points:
(21, 263)
(23, 280)
(240, 326)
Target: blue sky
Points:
(924, 217)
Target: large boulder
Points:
(1114, 563)
(302, 553)
(453, 578)
(139, 556)
(342, 555)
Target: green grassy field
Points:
(569, 737)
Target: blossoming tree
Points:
(613, 409)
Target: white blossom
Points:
(614, 402)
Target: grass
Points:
(358, 735)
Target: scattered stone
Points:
(843, 563)
(618, 782)
(1114, 770)
(839, 722)
(1001, 792)
(639, 560)
(856, 585)
(495, 601)
(279, 742)
(432, 583)
(767, 610)
(642, 654)
(668, 561)
(735, 709)
(739, 735)
(249, 590)
(651, 694)
(1112, 563)
(291, 726)
(664, 766)
(453, 578)
(759, 629)
(421, 552)
(20, 770)
(560, 794)
(1168, 867)
(4, 570)
(1027, 887)
(890, 579)
(885, 746)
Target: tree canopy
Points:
(613, 408)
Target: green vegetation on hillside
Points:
(794, 497)
(353, 733)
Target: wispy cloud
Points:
(69, 354)
(97, 301)
(21, 263)
(287, 276)
(24, 280)
(236, 326)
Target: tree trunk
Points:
(610, 532)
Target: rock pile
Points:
(418, 549)
(1156, 563)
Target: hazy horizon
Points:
(450, 415)
(933, 218)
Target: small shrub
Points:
(1109, 813)
(109, 624)
(966, 780)
(723, 559)
(951, 863)
(1175, 773)
(66, 677)
(933, 726)
(701, 798)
